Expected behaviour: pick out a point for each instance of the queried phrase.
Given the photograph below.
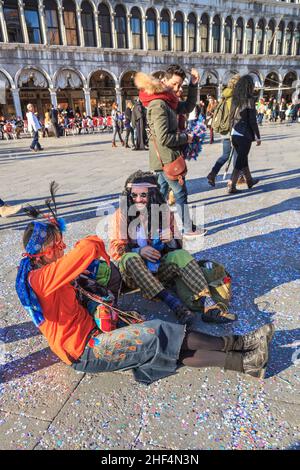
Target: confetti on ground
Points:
(255, 234)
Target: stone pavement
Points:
(44, 404)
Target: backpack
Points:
(219, 283)
(220, 119)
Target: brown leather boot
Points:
(241, 180)
(231, 185)
(211, 178)
(249, 180)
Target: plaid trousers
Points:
(136, 275)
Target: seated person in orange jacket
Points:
(153, 349)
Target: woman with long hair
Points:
(244, 130)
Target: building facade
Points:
(84, 52)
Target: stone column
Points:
(275, 48)
(233, 37)
(113, 31)
(3, 23)
(144, 33)
(80, 28)
(222, 38)
(186, 35)
(219, 90)
(62, 25)
(119, 97)
(53, 97)
(87, 98)
(284, 42)
(23, 22)
(210, 36)
(158, 35)
(294, 42)
(17, 101)
(43, 21)
(255, 39)
(279, 94)
(198, 36)
(129, 32)
(245, 40)
(172, 34)
(97, 29)
(265, 47)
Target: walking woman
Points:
(116, 117)
(244, 130)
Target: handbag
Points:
(174, 171)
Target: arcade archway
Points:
(103, 91)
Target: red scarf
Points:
(167, 96)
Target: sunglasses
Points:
(142, 195)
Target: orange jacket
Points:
(67, 323)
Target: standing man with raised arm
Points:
(163, 106)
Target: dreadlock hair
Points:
(174, 69)
(154, 194)
(243, 93)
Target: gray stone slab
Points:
(104, 412)
(33, 381)
(255, 234)
(18, 432)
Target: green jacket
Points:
(163, 125)
(227, 94)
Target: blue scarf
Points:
(25, 292)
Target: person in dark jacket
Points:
(244, 130)
(282, 110)
(163, 107)
(98, 111)
(139, 124)
(54, 120)
(128, 127)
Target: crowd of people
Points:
(131, 126)
(273, 110)
(73, 298)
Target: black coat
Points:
(54, 115)
(245, 123)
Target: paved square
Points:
(44, 404)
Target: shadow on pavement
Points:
(257, 265)
(28, 365)
(288, 205)
(73, 215)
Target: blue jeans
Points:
(226, 154)
(35, 142)
(180, 193)
(1, 202)
(260, 117)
